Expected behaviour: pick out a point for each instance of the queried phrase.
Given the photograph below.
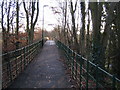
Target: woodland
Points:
(91, 29)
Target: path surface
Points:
(46, 71)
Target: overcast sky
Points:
(49, 17)
(50, 20)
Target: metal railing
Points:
(15, 62)
(86, 73)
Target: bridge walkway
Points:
(46, 71)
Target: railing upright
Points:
(87, 74)
(16, 61)
(24, 57)
(96, 77)
(21, 58)
(76, 68)
(72, 61)
(82, 67)
(80, 72)
(9, 68)
(113, 82)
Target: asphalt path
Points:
(46, 71)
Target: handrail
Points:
(81, 68)
(14, 62)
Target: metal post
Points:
(76, 66)
(24, 57)
(80, 71)
(113, 82)
(16, 62)
(72, 63)
(21, 57)
(96, 77)
(43, 26)
(68, 56)
(87, 75)
(9, 67)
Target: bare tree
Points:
(105, 36)
(96, 10)
(17, 24)
(76, 46)
(30, 27)
(33, 23)
(27, 19)
(82, 31)
(5, 30)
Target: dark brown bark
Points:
(27, 20)
(65, 19)
(33, 23)
(105, 36)
(76, 45)
(17, 25)
(82, 31)
(96, 10)
(30, 30)
(88, 38)
(3, 28)
(116, 51)
(8, 15)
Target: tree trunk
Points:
(33, 23)
(76, 45)
(3, 28)
(30, 30)
(88, 38)
(17, 25)
(65, 18)
(82, 32)
(116, 62)
(27, 20)
(96, 11)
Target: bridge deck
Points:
(46, 71)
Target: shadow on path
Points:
(46, 71)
